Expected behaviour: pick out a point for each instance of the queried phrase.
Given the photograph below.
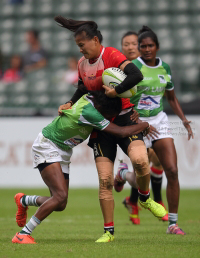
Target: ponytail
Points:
(89, 27)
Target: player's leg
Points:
(105, 149)
(156, 179)
(166, 152)
(137, 153)
(53, 177)
(156, 175)
(131, 202)
(106, 181)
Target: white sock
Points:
(30, 200)
(30, 226)
(173, 218)
(123, 173)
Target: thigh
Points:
(153, 158)
(53, 177)
(166, 152)
(103, 144)
(124, 143)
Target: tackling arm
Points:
(126, 131)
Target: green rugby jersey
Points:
(75, 125)
(149, 97)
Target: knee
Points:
(105, 188)
(61, 200)
(141, 166)
(172, 173)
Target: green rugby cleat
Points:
(105, 238)
(155, 208)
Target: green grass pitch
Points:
(72, 233)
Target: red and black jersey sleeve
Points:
(112, 57)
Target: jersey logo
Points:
(83, 131)
(72, 142)
(92, 77)
(162, 78)
(134, 136)
(149, 102)
(147, 78)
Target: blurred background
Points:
(32, 86)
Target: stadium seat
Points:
(6, 10)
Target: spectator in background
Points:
(14, 73)
(71, 75)
(35, 58)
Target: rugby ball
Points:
(113, 76)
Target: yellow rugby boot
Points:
(105, 238)
(155, 208)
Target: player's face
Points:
(130, 47)
(88, 47)
(148, 49)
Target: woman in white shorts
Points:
(148, 103)
(52, 150)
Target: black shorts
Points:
(105, 144)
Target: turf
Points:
(72, 233)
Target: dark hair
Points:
(89, 27)
(146, 32)
(110, 106)
(105, 105)
(128, 33)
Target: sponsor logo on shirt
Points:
(147, 78)
(162, 78)
(72, 142)
(92, 77)
(149, 102)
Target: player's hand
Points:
(134, 117)
(153, 133)
(111, 93)
(186, 123)
(146, 131)
(64, 107)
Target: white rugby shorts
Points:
(161, 123)
(45, 151)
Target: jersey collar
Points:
(153, 67)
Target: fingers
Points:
(153, 132)
(106, 87)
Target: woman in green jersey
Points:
(52, 150)
(129, 44)
(149, 103)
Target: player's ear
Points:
(96, 40)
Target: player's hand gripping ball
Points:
(112, 77)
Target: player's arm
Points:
(126, 131)
(77, 95)
(134, 76)
(173, 101)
